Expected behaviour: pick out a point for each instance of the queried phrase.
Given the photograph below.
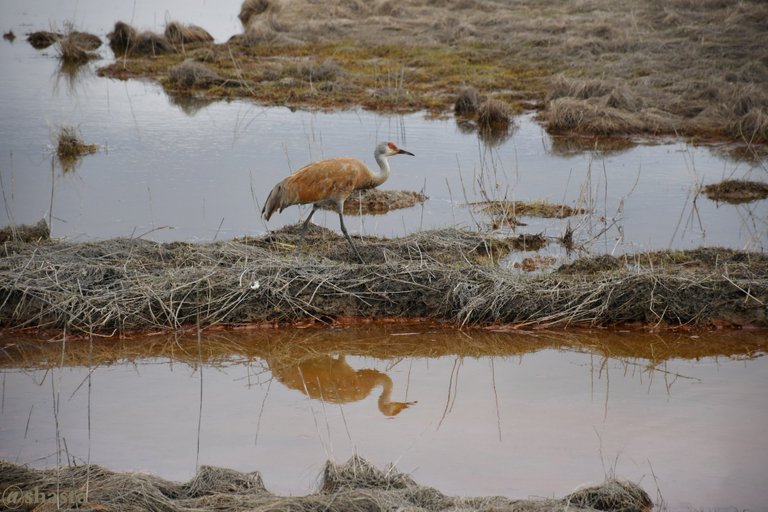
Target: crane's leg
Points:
(304, 227)
(344, 230)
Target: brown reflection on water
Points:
(288, 351)
(331, 379)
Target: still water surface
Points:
(471, 413)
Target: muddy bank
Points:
(451, 275)
(603, 68)
(353, 486)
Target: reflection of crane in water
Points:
(333, 380)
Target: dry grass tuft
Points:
(354, 486)
(28, 234)
(493, 114)
(43, 39)
(9, 36)
(69, 146)
(507, 211)
(179, 33)
(612, 495)
(191, 73)
(251, 8)
(737, 191)
(467, 102)
(598, 118)
(126, 41)
(375, 201)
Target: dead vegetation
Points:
(69, 147)
(659, 68)
(9, 36)
(126, 41)
(179, 33)
(375, 201)
(506, 213)
(127, 284)
(27, 234)
(736, 191)
(353, 486)
(42, 39)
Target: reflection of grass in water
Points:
(291, 347)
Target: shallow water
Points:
(515, 414)
(168, 170)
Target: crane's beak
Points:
(404, 152)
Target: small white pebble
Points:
(255, 285)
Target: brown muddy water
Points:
(519, 414)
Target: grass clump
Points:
(191, 73)
(179, 33)
(9, 36)
(126, 41)
(374, 201)
(612, 495)
(251, 8)
(70, 147)
(28, 234)
(467, 102)
(42, 39)
(507, 212)
(737, 191)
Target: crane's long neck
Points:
(380, 177)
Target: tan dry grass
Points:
(355, 486)
(180, 33)
(69, 147)
(737, 191)
(376, 201)
(123, 285)
(126, 41)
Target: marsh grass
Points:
(451, 275)
(179, 33)
(599, 68)
(69, 147)
(736, 191)
(42, 39)
(375, 201)
(354, 486)
(126, 41)
(511, 209)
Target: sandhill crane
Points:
(330, 182)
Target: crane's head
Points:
(390, 149)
